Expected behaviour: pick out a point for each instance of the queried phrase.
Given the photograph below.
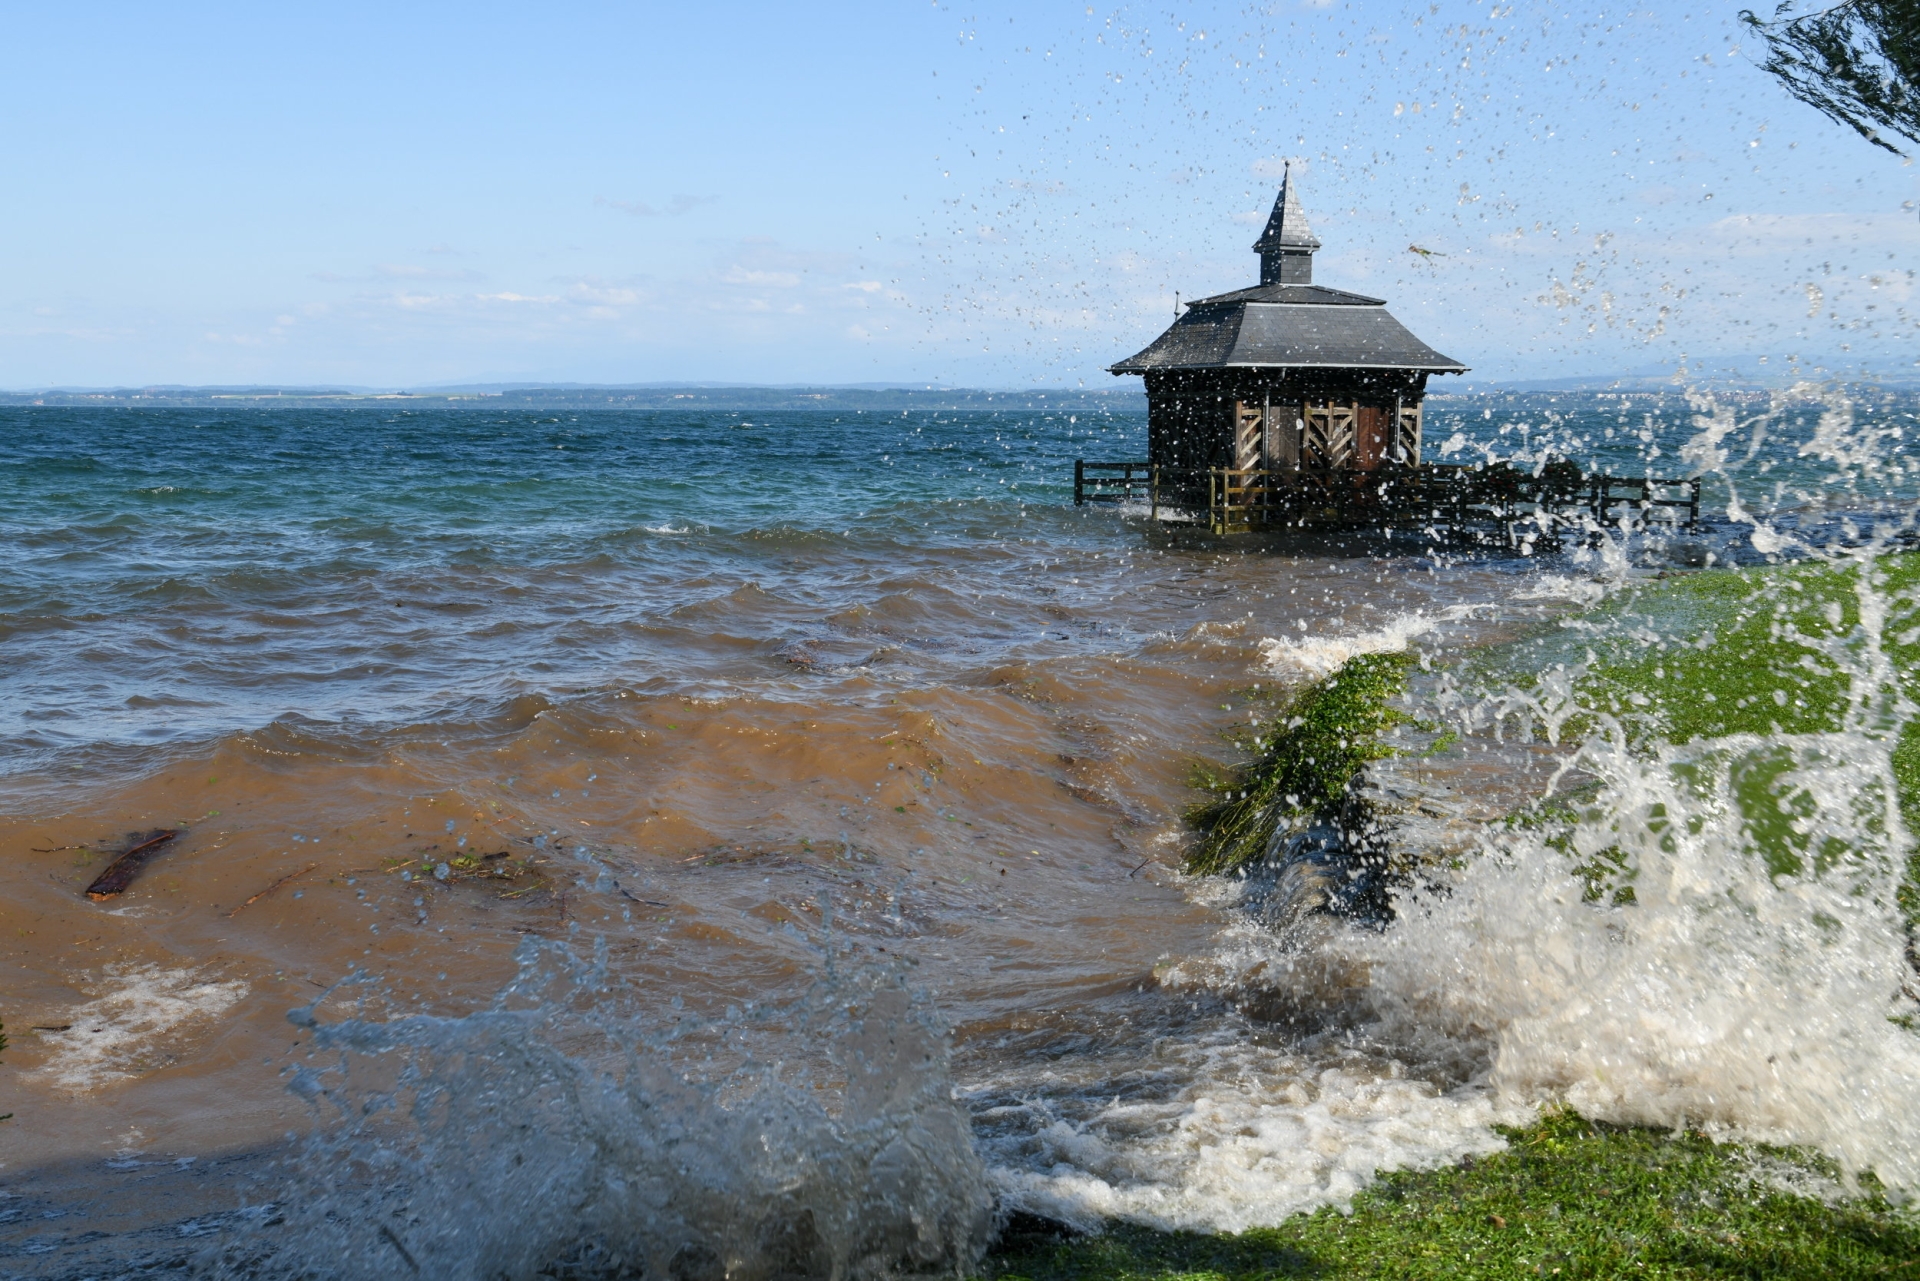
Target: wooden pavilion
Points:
(1292, 404)
(1287, 390)
(1287, 375)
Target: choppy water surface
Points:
(626, 803)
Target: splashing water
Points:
(558, 1129)
(1317, 656)
(1711, 933)
(1723, 995)
(1700, 929)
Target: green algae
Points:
(1754, 652)
(1305, 758)
(1765, 652)
(1569, 1198)
(1761, 651)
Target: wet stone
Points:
(1397, 826)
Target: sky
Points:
(984, 195)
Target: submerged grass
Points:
(1760, 651)
(1305, 757)
(1765, 652)
(1737, 651)
(1570, 1198)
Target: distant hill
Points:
(1732, 373)
(721, 397)
(1747, 374)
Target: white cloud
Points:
(592, 292)
(397, 271)
(738, 275)
(641, 209)
(1770, 231)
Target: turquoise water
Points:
(170, 574)
(174, 574)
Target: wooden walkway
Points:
(1433, 497)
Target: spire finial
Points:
(1286, 246)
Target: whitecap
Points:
(1317, 656)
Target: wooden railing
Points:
(1644, 493)
(1235, 500)
(1110, 482)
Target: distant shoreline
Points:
(1127, 396)
(1120, 399)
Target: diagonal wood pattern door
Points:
(1283, 429)
(1330, 436)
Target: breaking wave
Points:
(1317, 656)
(564, 1129)
(1725, 994)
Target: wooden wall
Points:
(1281, 420)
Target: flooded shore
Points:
(559, 798)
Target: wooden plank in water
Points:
(122, 870)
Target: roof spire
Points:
(1286, 246)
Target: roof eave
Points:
(1130, 367)
(1232, 299)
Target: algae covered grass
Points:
(1780, 650)
(1753, 651)
(1304, 759)
(1569, 1198)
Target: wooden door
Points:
(1282, 446)
(1329, 434)
(1369, 437)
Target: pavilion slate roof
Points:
(1288, 326)
(1236, 332)
(1287, 224)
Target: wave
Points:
(567, 1128)
(1727, 994)
(1317, 656)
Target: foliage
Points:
(1569, 1198)
(1858, 62)
(1308, 754)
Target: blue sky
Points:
(985, 194)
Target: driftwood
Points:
(290, 876)
(122, 870)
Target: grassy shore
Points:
(1569, 1198)
(1763, 652)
